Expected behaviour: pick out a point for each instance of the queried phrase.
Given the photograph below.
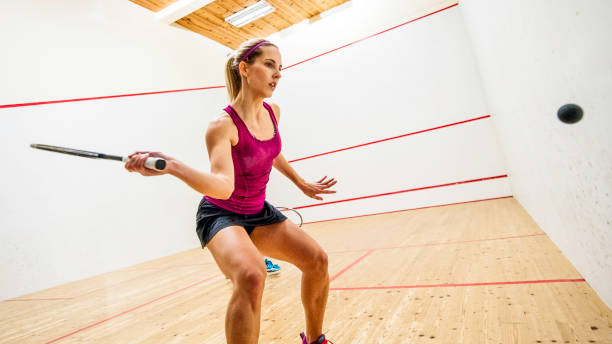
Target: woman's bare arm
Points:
(218, 183)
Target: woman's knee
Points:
(318, 262)
(251, 279)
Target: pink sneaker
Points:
(320, 340)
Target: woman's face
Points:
(263, 75)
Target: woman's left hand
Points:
(312, 190)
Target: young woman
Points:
(234, 221)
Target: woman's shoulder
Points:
(223, 125)
(223, 119)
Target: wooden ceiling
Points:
(209, 20)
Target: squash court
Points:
(470, 142)
(483, 272)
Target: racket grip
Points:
(152, 163)
(155, 164)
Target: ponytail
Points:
(232, 78)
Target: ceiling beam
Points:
(180, 9)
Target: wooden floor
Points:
(480, 272)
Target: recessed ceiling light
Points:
(251, 13)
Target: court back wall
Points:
(410, 78)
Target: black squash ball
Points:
(570, 113)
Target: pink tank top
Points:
(253, 161)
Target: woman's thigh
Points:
(234, 252)
(286, 241)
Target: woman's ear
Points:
(241, 68)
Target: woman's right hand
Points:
(136, 163)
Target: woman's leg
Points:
(287, 242)
(242, 263)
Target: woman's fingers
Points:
(139, 161)
(136, 163)
(327, 182)
(320, 187)
(330, 183)
(137, 153)
(129, 165)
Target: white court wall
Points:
(415, 77)
(65, 218)
(535, 56)
(63, 49)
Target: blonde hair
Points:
(233, 80)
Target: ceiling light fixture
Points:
(251, 13)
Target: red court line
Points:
(370, 36)
(460, 284)
(442, 243)
(350, 266)
(398, 211)
(128, 311)
(212, 87)
(391, 138)
(402, 191)
(462, 242)
(105, 97)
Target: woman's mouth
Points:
(272, 84)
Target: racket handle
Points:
(155, 164)
(152, 163)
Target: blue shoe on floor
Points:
(271, 267)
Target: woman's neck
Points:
(248, 105)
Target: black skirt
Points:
(210, 219)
